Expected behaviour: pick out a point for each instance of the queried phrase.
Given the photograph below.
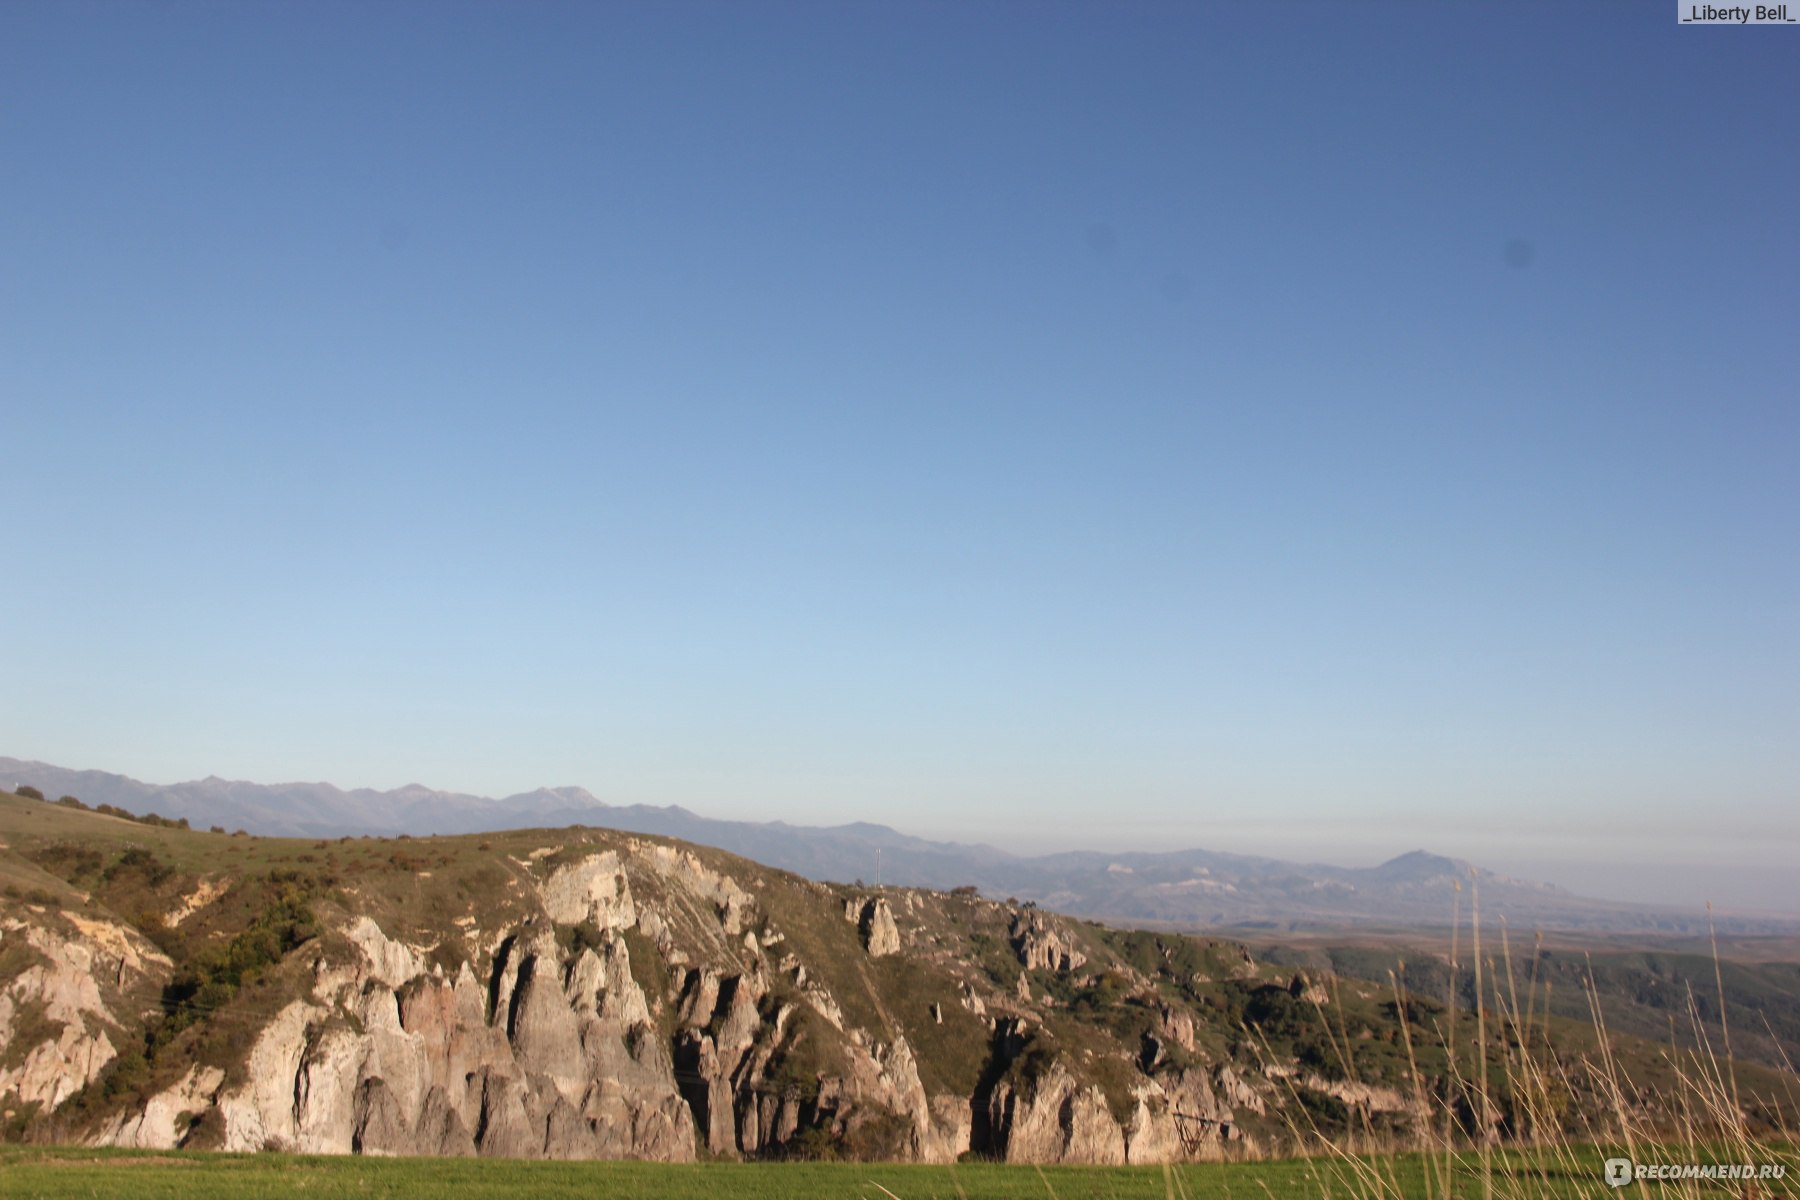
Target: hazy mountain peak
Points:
(1421, 864)
(1187, 888)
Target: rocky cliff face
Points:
(604, 996)
(552, 1056)
(63, 1011)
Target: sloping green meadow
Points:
(53, 1174)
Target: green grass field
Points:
(27, 1173)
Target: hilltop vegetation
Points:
(583, 993)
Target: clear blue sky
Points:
(1313, 429)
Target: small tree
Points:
(28, 792)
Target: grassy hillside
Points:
(1655, 994)
(989, 996)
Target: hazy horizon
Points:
(1671, 879)
(1327, 426)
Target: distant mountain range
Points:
(1189, 889)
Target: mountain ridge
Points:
(1190, 888)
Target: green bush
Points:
(215, 976)
(1328, 1115)
(1107, 990)
(877, 1136)
(141, 863)
(797, 1067)
(69, 861)
(15, 1122)
(583, 936)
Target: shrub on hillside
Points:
(215, 976)
(141, 863)
(70, 861)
